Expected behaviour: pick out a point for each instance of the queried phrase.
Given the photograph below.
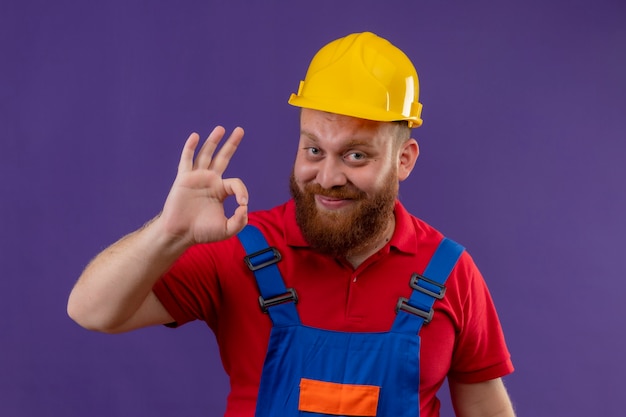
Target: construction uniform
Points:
(464, 340)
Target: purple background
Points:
(522, 161)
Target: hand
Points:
(194, 209)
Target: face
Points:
(345, 180)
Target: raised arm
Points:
(114, 292)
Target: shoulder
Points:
(413, 235)
(279, 225)
(272, 220)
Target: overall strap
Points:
(412, 313)
(275, 299)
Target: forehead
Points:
(321, 126)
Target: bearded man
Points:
(337, 302)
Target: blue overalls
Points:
(316, 372)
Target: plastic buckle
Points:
(416, 286)
(264, 261)
(403, 304)
(290, 295)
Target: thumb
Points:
(236, 222)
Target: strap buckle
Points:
(438, 292)
(261, 259)
(435, 290)
(403, 304)
(290, 295)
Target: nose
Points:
(331, 173)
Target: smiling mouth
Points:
(332, 203)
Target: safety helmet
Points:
(362, 75)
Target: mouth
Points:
(332, 203)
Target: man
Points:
(338, 302)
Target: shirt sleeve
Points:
(189, 290)
(481, 353)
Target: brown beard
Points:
(342, 233)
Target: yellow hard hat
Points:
(362, 75)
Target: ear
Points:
(407, 156)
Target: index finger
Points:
(186, 158)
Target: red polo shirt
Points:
(210, 282)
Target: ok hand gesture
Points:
(194, 209)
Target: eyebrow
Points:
(351, 143)
(309, 135)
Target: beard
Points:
(344, 232)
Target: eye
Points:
(355, 156)
(312, 152)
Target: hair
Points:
(402, 131)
